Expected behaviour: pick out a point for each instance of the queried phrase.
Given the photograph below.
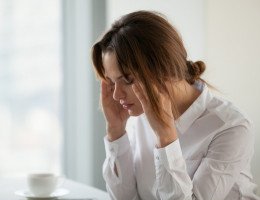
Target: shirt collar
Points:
(196, 109)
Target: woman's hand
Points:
(165, 134)
(116, 117)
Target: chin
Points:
(135, 113)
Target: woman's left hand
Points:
(166, 134)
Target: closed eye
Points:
(128, 80)
(110, 82)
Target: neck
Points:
(185, 95)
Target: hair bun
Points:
(195, 70)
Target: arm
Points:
(228, 154)
(217, 173)
(172, 179)
(118, 169)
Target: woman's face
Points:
(122, 87)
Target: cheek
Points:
(137, 109)
(135, 100)
(131, 96)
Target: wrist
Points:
(114, 133)
(166, 138)
(163, 142)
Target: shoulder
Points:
(236, 127)
(234, 138)
(227, 112)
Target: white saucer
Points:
(57, 193)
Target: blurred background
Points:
(49, 96)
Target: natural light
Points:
(30, 86)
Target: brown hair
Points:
(147, 46)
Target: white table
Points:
(78, 191)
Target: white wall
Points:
(233, 57)
(187, 16)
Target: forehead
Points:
(110, 64)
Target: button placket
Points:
(157, 159)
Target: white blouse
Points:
(209, 161)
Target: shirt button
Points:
(112, 149)
(157, 157)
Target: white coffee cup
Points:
(43, 184)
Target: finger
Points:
(105, 89)
(166, 104)
(102, 94)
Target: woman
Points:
(167, 136)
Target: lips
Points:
(127, 106)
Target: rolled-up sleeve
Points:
(172, 179)
(227, 155)
(119, 156)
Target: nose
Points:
(119, 92)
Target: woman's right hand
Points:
(116, 116)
